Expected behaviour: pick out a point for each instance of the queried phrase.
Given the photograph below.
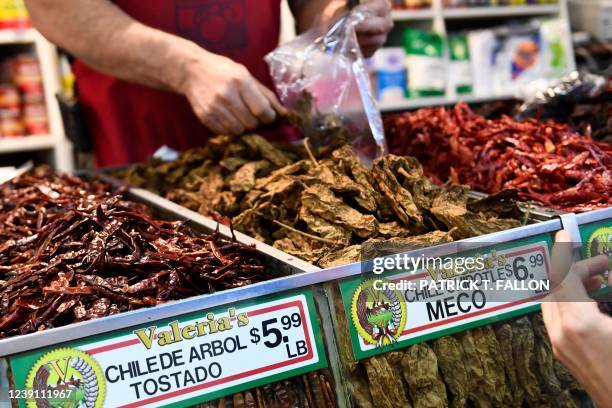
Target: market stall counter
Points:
(322, 338)
(333, 211)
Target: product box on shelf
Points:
(425, 63)
(593, 16)
(14, 15)
(390, 73)
(22, 102)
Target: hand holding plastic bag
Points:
(322, 77)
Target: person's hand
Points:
(581, 336)
(225, 96)
(372, 32)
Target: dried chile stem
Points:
(297, 231)
(310, 155)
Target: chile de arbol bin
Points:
(70, 251)
(544, 161)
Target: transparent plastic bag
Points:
(322, 77)
(554, 99)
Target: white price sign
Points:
(410, 307)
(206, 355)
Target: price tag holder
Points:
(398, 309)
(178, 362)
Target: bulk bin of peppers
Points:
(128, 299)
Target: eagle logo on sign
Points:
(600, 242)
(379, 316)
(73, 374)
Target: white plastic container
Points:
(390, 74)
(593, 16)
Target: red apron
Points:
(129, 122)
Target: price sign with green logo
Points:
(401, 308)
(178, 362)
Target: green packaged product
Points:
(424, 63)
(460, 69)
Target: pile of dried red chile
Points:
(71, 250)
(544, 161)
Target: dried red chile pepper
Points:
(544, 161)
(70, 251)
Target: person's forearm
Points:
(107, 39)
(306, 12)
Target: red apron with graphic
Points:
(129, 122)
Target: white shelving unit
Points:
(418, 103)
(438, 17)
(408, 15)
(501, 11)
(27, 36)
(55, 142)
(26, 144)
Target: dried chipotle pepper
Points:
(321, 209)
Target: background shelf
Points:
(417, 103)
(26, 143)
(407, 15)
(54, 147)
(476, 12)
(445, 20)
(501, 11)
(16, 36)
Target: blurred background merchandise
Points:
(479, 51)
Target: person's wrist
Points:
(188, 62)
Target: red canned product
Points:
(35, 119)
(31, 87)
(10, 127)
(35, 97)
(9, 96)
(36, 127)
(10, 113)
(26, 73)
